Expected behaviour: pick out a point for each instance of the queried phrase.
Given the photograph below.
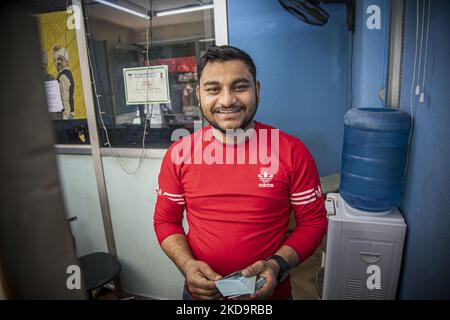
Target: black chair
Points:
(97, 268)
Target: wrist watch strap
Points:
(284, 267)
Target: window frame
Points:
(221, 37)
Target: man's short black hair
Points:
(225, 53)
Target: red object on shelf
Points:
(180, 64)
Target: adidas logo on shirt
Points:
(265, 179)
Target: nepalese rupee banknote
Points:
(236, 284)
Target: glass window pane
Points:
(118, 40)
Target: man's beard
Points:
(244, 124)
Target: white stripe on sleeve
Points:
(303, 202)
(302, 193)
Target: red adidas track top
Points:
(237, 212)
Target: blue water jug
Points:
(374, 157)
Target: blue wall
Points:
(370, 55)
(303, 71)
(426, 205)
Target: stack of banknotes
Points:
(236, 284)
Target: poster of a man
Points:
(61, 66)
(65, 79)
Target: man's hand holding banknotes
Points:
(254, 282)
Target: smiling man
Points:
(237, 211)
(229, 98)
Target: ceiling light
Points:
(183, 10)
(124, 9)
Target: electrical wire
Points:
(421, 50)
(149, 26)
(426, 46)
(351, 69)
(411, 94)
(100, 112)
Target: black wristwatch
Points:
(284, 267)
